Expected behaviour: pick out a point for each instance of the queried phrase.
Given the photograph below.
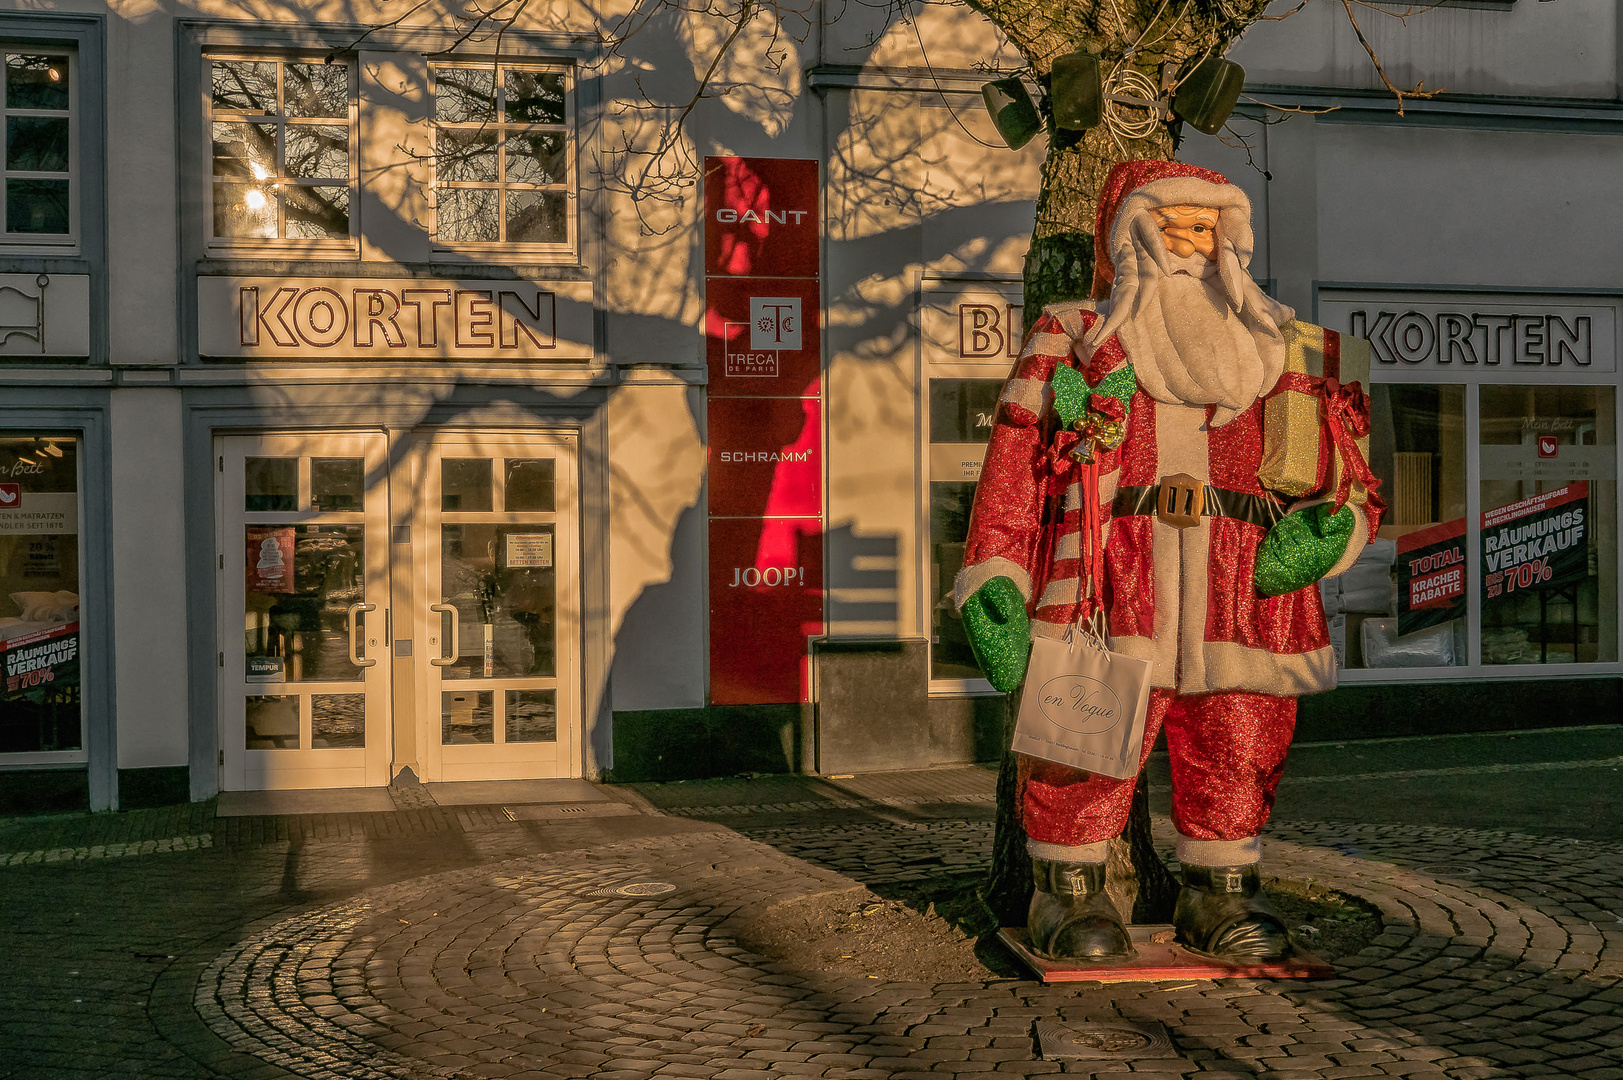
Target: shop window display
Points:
(40, 700)
(961, 418)
(1549, 524)
(1403, 603)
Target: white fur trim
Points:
(1230, 666)
(1058, 593)
(971, 578)
(1081, 853)
(1192, 852)
(1033, 395)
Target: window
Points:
(39, 205)
(503, 155)
(39, 594)
(282, 132)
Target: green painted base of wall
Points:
(44, 791)
(1394, 710)
(141, 789)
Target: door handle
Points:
(446, 660)
(354, 619)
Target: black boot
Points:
(1071, 917)
(1223, 912)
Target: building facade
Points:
(387, 395)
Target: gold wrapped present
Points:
(1298, 452)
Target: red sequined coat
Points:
(1183, 599)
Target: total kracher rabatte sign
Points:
(475, 321)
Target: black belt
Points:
(1260, 510)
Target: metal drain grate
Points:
(1104, 1042)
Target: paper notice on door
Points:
(529, 551)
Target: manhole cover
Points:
(1116, 1042)
(1447, 870)
(636, 889)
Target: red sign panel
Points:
(766, 599)
(766, 457)
(1548, 446)
(760, 217)
(764, 353)
(763, 337)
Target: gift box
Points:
(1298, 453)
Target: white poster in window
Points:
(23, 513)
(529, 551)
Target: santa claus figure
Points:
(1156, 398)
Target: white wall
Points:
(149, 588)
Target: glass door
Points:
(498, 614)
(303, 611)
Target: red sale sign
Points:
(763, 306)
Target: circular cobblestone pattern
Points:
(1499, 957)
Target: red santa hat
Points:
(1142, 185)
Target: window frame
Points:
(279, 246)
(53, 243)
(569, 250)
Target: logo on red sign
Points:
(1548, 446)
(11, 494)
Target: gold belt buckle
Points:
(1180, 501)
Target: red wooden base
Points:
(1159, 958)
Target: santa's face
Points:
(1188, 230)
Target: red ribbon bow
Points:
(1345, 412)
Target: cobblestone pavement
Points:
(435, 944)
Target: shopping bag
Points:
(1083, 705)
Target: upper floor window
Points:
(503, 156)
(283, 132)
(39, 165)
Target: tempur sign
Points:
(1473, 333)
(410, 319)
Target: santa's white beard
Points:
(1187, 345)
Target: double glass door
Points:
(388, 606)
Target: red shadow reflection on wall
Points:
(763, 300)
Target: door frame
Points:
(367, 766)
(426, 625)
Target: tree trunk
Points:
(1059, 266)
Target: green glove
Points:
(999, 632)
(1302, 547)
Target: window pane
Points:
(502, 580)
(466, 156)
(317, 152)
(36, 82)
(316, 213)
(336, 484)
(39, 595)
(530, 483)
(532, 716)
(950, 654)
(36, 144)
(465, 484)
(467, 215)
(270, 483)
(337, 721)
(1403, 603)
(467, 716)
(316, 90)
(245, 86)
(243, 210)
(272, 722)
(535, 97)
(537, 217)
(1549, 524)
(37, 206)
(537, 158)
(464, 95)
(300, 581)
(247, 151)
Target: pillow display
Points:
(47, 607)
